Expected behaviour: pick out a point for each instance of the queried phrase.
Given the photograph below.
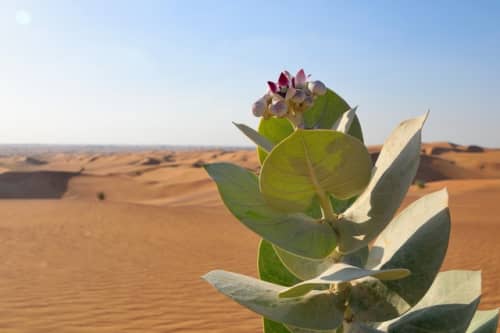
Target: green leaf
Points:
(303, 268)
(317, 310)
(297, 233)
(323, 114)
(353, 328)
(271, 268)
(326, 110)
(306, 268)
(274, 327)
(484, 322)
(448, 306)
(392, 175)
(357, 258)
(343, 124)
(341, 272)
(314, 163)
(253, 135)
(275, 130)
(293, 329)
(416, 239)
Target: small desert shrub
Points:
(101, 196)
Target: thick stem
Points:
(297, 120)
(347, 320)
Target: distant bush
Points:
(101, 196)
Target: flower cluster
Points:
(288, 97)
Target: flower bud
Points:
(300, 79)
(308, 102)
(299, 96)
(316, 87)
(259, 107)
(279, 108)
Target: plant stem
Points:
(326, 207)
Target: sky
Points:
(179, 72)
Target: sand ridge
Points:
(132, 262)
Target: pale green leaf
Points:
(393, 173)
(341, 272)
(271, 269)
(303, 268)
(297, 233)
(323, 114)
(253, 135)
(317, 310)
(343, 124)
(448, 306)
(326, 110)
(313, 163)
(307, 268)
(275, 130)
(293, 329)
(416, 239)
(484, 322)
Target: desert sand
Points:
(132, 262)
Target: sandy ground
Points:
(132, 262)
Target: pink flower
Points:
(300, 79)
(289, 96)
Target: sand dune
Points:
(72, 263)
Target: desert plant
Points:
(334, 256)
(101, 196)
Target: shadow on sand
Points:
(34, 184)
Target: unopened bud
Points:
(299, 96)
(317, 88)
(308, 102)
(279, 108)
(259, 108)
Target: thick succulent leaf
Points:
(484, 322)
(253, 135)
(352, 328)
(416, 239)
(314, 163)
(275, 130)
(326, 110)
(357, 258)
(317, 310)
(271, 269)
(341, 272)
(303, 268)
(274, 327)
(393, 173)
(343, 124)
(297, 233)
(362, 328)
(293, 329)
(306, 268)
(448, 306)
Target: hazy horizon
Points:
(177, 73)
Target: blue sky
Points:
(178, 72)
